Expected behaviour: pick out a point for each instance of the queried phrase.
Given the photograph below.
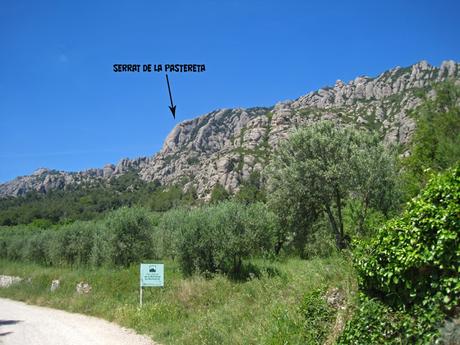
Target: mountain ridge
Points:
(225, 146)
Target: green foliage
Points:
(87, 202)
(219, 194)
(320, 242)
(251, 190)
(310, 324)
(164, 199)
(435, 144)
(409, 272)
(122, 239)
(363, 228)
(272, 309)
(376, 323)
(414, 259)
(132, 240)
(217, 238)
(318, 317)
(319, 170)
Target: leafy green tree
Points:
(318, 169)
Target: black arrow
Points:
(172, 107)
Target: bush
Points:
(376, 323)
(132, 236)
(409, 272)
(217, 238)
(414, 259)
(309, 324)
(167, 232)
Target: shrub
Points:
(167, 232)
(320, 243)
(309, 324)
(409, 272)
(414, 259)
(217, 238)
(102, 251)
(376, 323)
(132, 235)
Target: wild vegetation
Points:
(330, 244)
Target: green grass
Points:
(192, 310)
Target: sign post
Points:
(152, 275)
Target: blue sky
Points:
(62, 107)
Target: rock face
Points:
(225, 146)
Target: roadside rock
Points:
(83, 288)
(7, 281)
(55, 284)
(335, 298)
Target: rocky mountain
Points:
(225, 146)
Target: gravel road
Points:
(22, 324)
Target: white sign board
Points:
(152, 275)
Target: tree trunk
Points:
(335, 229)
(339, 213)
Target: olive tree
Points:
(322, 167)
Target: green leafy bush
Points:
(415, 259)
(410, 272)
(320, 242)
(132, 235)
(217, 238)
(376, 323)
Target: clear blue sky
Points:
(62, 107)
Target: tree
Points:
(319, 169)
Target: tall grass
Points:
(197, 310)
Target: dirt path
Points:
(22, 324)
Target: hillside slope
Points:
(225, 146)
